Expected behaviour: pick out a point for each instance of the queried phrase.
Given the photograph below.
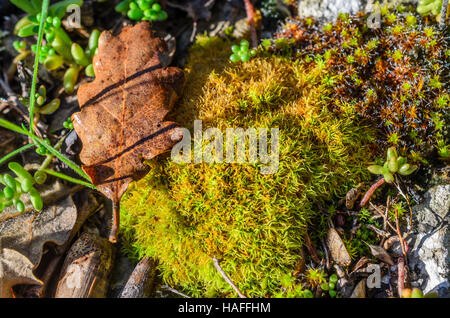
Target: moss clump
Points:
(183, 214)
(395, 76)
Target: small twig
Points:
(172, 290)
(113, 235)
(407, 202)
(227, 279)
(444, 9)
(399, 233)
(251, 14)
(401, 275)
(371, 190)
(311, 250)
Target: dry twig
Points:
(227, 279)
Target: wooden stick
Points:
(116, 222)
(250, 9)
(227, 279)
(371, 190)
(444, 9)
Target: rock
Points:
(328, 10)
(430, 256)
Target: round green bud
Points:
(307, 294)
(333, 278)
(156, 7)
(40, 177)
(235, 58)
(133, 6)
(135, 14)
(56, 22)
(36, 199)
(20, 206)
(416, 293)
(245, 57)
(235, 49)
(244, 43)
(8, 193)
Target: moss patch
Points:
(183, 214)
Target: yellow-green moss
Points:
(183, 214)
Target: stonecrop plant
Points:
(184, 214)
(142, 10)
(58, 50)
(394, 76)
(393, 164)
(19, 182)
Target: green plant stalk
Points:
(70, 179)
(15, 153)
(6, 124)
(42, 22)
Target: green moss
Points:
(395, 76)
(183, 214)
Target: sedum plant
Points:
(59, 50)
(142, 10)
(14, 188)
(393, 164)
(242, 52)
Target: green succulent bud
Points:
(70, 78)
(234, 58)
(20, 207)
(51, 107)
(8, 193)
(78, 55)
(332, 293)
(22, 23)
(388, 177)
(36, 199)
(89, 70)
(93, 41)
(393, 165)
(40, 177)
(375, 169)
(26, 185)
(401, 161)
(28, 30)
(325, 286)
(416, 293)
(122, 7)
(245, 57)
(407, 169)
(53, 62)
(10, 182)
(333, 279)
(61, 47)
(391, 153)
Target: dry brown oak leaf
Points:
(122, 111)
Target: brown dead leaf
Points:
(22, 239)
(122, 111)
(337, 248)
(381, 254)
(352, 196)
(360, 290)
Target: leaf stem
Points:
(15, 152)
(68, 178)
(42, 22)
